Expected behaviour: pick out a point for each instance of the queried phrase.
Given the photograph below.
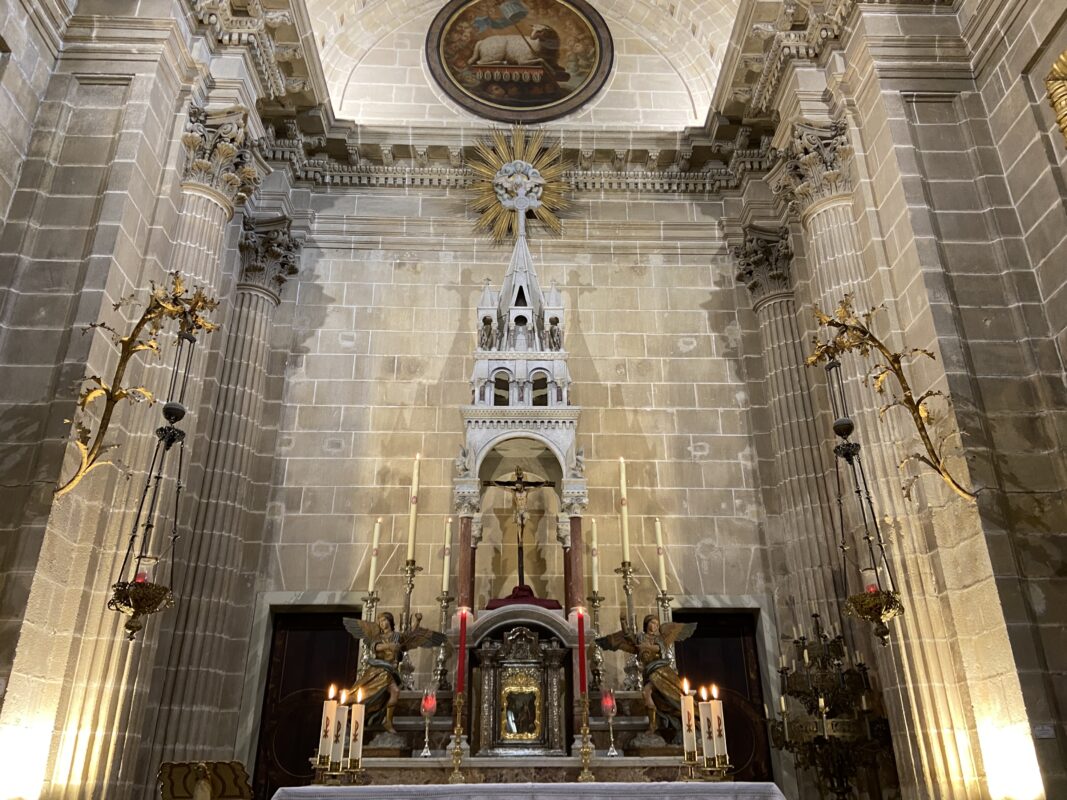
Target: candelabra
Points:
(440, 670)
(664, 600)
(878, 600)
(586, 750)
(457, 741)
(836, 733)
(596, 669)
(406, 668)
(370, 613)
(632, 682)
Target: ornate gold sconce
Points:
(1056, 84)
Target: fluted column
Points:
(816, 182)
(764, 265)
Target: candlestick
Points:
(597, 659)
(457, 726)
(446, 567)
(413, 513)
(406, 667)
(329, 715)
(582, 687)
(594, 559)
(609, 708)
(624, 506)
(428, 709)
(586, 750)
(355, 733)
(440, 670)
(689, 730)
(373, 578)
(665, 615)
(370, 613)
(632, 670)
(661, 558)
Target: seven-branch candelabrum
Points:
(832, 729)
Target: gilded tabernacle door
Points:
(521, 694)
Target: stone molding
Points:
(218, 158)
(270, 255)
(815, 165)
(764, 264)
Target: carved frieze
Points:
(218, 157)
(764, 264)
(816, 164)
(270, 255)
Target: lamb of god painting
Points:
(519, 60)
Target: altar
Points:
(540, 791)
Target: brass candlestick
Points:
(632, 670)
(586, 751)
(457, 740)
(370, 613)
(596, 668)
(406, 668)
(717, 769)
(440, 670)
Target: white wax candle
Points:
(373, 579)
(661, 555)
(355, 735)
(329, 714)
(446, 567)
(689, 721)
(781, 702)
(413, 513)
(707, 732)
(624, 505)
(594, 560)
(337, 751)
(718, 725)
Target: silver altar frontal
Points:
(540, 791)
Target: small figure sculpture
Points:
(485, 335)
(662, 687)
(555, 335)
(578, 470)
(462, 463)
(380, 680)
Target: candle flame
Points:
(685, 685)
(418, 456)
(621, 459)
(333, 692)
(344, 696)
(704, 693)
(715, 691)
(359, 695)
(379, 520)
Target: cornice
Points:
(49, 18)
(509, 415)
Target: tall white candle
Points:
(413, 514)
(337, 751)
(355, 733)
(373, 579)
(707, 732)
(661, 555)
(446, 567)
(718, 724)
(625, 510)
(594, 559)
(689, 723)
(329, 714)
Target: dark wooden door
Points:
(309, 651)
(723, 651)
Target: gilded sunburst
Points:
(505, 148)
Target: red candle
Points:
(461, 665)
(581, 651)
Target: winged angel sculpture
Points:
(662, 688)
(380, 680)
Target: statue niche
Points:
(521, 686)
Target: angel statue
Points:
(380, 680)
(662, 688)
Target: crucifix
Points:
(519, 489)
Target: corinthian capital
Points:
(763, 264)
(269, 255)
(816, 164)
(218, 157)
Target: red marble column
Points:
(568, 599)
(465, 568)
(574, 572)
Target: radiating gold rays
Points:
(501, 148)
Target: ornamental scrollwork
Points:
(816, 164)
(269, 254)
(763, 263)
(1056, 84)
(217, 154)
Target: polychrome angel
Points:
(662, 687)
(380, 680)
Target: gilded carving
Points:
(1056, 84)
(218, 157)
(816, 166)
(763, 263)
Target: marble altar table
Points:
(539, 791)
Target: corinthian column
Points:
(764, 262)
(207, 665)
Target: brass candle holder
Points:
(457, 741)
(586, 750)
(440, 670)
(596, 661)
(717, 769)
